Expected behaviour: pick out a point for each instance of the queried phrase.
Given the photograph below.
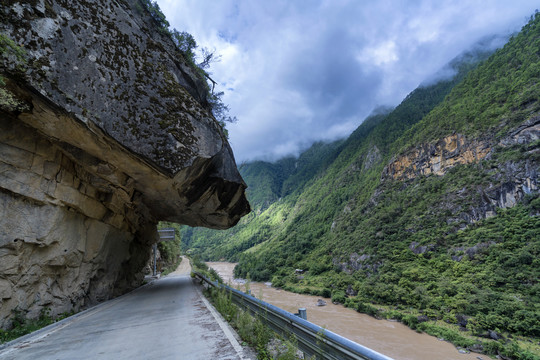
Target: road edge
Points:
(49, 329)
(229, 332)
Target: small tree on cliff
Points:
(186, 44)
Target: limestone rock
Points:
(104, 130)
(436, 158)
(355, 262)
(509, 183)
(373, 157)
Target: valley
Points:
(390, 338)
(406, 198)
(427, 213)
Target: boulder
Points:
(462, 320)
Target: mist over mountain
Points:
(299, 72)
(478, 52)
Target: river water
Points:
(387, 337)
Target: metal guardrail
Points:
(312, 339)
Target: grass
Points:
(22, 326)
(251, 329)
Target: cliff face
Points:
(437, 158)
(104, 130)
(509, 181)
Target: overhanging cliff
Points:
(104, 130)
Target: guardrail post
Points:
(302, 312)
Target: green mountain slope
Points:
(274, 188)
(428, 214)
(268, 183)
(355, 171)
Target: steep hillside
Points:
(275, 190)
(268, 184)
(430, 212)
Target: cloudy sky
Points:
(297, 71)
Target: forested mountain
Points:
(270, 184)
(427, 213)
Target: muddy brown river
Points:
(387, 337)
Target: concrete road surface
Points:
(166, 319)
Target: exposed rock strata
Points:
(437, 158)
(440, 156)
(104, 130)
(506, 180)
(509, 183)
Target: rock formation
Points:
(436, 158)
(509, 183)
(104, 130)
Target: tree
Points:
(186, 44)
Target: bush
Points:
(277, 281)
(215, 276)
(22, 325)
(251, 329)
(410, 320)
(326, 292)
(351, 303)
(393, 315)
(367, 309)
(338, 297)
(447, 334)
(318, 268)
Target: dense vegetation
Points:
(430, 251)
(277, 189)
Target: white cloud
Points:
(379, 54)
(306, 70)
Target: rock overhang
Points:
(115, 91)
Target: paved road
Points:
(167, 319)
